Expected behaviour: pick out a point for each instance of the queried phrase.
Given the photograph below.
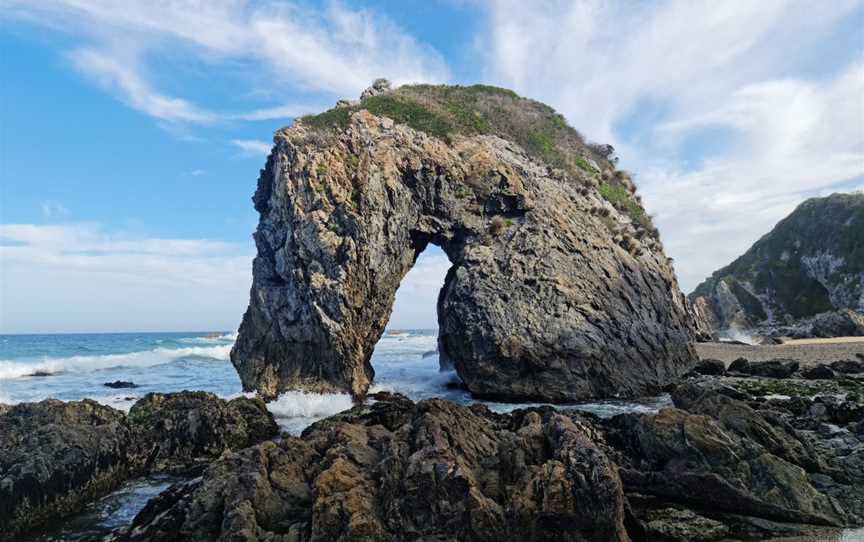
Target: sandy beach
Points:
(806, 351)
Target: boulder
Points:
(849, 366)
(56, 456)
(399, 471)
(775, 368)
(183, 429)
(120, 384)
(553, 294)
(819, 372)
(710, 367)
(740, 365)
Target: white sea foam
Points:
(120, 402)
(225, 337)
(295, 411)
(297, 404)
(83, 364)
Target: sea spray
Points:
(295, 410)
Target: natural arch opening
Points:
(406, 358)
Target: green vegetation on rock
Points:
(811, 262)
(446, 111)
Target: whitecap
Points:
(83, 364)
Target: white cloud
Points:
(252, 147)
(198, 172)
(731, 113)
(82, 277)
(336, 51)
(124, 80)
(52, 209)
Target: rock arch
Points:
(542, 301)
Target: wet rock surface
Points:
(57, 456)
(553, 293)
(720, 465)
(396, 470)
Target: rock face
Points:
(795, 278)
(558, 288)
(56, 456)
(398, 471)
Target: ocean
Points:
(76, 366)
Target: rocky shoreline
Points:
(56, 456)
(733, 459)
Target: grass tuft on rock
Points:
(446, 111)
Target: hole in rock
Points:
(406, 357)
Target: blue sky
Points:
(132, 133)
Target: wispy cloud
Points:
(124, 80)
(252, 147)
(730, 113)
(197, 172)
(120, 281)
(334, 52)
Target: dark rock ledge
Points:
(56, 456)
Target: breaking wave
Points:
(297, 404)
(211, 339)
(84, 364)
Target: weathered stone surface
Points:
(181, 429)
(57, 456)
(722, 458)
(398, 471)
(553, 294)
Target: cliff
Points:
(559, 288)
(811, 263)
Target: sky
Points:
(132, 133)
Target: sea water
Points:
(73, 367)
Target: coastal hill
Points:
(810, 264)
(559, 287)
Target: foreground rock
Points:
(399, 471)
(805, 278)
(57, 456)
(718, 466)
(559, 289)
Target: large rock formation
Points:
(558, 289)
(811, 263)
(55, 456)
(398, 471)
